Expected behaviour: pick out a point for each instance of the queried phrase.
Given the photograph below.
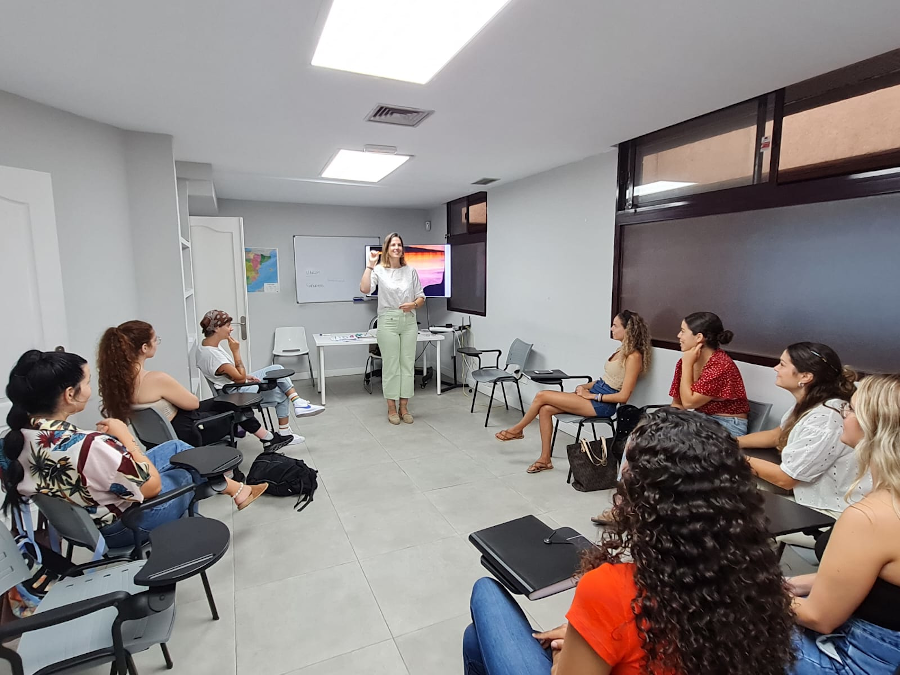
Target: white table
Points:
(324, 340)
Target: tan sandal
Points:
(255, 492)
(605, 518)
(393, 418)
(407, 418)
(539, 466)
(507, 435)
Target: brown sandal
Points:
(605, 518)
(505, 435)
(539, 466)
(255, 491)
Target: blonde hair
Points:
(384, 250)
(877, 410)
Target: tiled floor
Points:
(374, 577)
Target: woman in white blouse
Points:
(399, 295)
(815, 464)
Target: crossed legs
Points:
(544, 406)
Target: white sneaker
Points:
(296, 439)
(303, 408)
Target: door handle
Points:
(243, 324)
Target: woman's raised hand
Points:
(373, 257)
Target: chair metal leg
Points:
(166, 655)
(209, 596)
(521, 405)
(474, 394)
(312, 373)
(503, 389)
(490, 404)
(553, 438)
(129, 660)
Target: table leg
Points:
(437, 368)
(425, 360)
(322, 372)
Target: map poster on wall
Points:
(262, 270)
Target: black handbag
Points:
(593, 465)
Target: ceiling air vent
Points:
(485, 181)
(396, 114)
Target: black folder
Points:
(516, 554)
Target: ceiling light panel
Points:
(367, 167)
(409, 40)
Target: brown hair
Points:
(384, 250)
(637, 337)
(116, 366)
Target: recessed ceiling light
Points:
(409, 40)
(368, 167)
(658, 186)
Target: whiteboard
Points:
(328, 269)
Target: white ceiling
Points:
(546, 83)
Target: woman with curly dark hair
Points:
(594, 399)
(685, 579)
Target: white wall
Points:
(271, 224)
(153, 215)
(87, 163)
(550, 258)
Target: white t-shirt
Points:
(815, 456)
(396, 285)
(210, 359)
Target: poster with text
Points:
(262, 270)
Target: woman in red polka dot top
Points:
(706, 379)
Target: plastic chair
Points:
(517, 356)
(374, 359)
(291, 341)
(759, 413)
(152, 428)
(109, 615)
(264, 408)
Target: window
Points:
(859, 132)
(467, 236)
(709, 153)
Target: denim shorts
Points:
(603, 409)
(856, 648)
(735, 425)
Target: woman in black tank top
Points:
(849, 611)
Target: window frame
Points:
(470, 237)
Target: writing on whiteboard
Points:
(312, 273)
(315, 285)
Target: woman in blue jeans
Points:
(594, 399)
(103, 470)
(849, 610)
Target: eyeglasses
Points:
(158, 340)
(843, 409)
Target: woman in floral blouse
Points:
(103, 471)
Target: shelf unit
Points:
(187, 276)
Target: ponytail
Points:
(36, 383)
(117, 357)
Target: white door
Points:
(31, 301)
(217, 250)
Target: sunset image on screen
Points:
(430, 261)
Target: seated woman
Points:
(223, 367)
(595, 399)
(103, 471)
(815, 464)
(848, 609)
(684, 581)
(125, 386)
(706, 379)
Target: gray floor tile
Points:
(423, 585)
(368, 485)
(435, 650)
(289, 624)
(477, 505)
(378, 528)
(548, 491)
(406, 441)
(346, 452)
(379, 659)
(452, 467)
(305, 542)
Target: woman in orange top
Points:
(704, 594)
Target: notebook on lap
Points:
(516, 554)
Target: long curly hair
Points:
(117, 366)
(831, 379)
(637, 337)
(707, 576)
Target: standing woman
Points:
(706, 379)
(399, 297)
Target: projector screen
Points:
(432, 262)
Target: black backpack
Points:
(285, 476)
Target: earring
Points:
(802, 384)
